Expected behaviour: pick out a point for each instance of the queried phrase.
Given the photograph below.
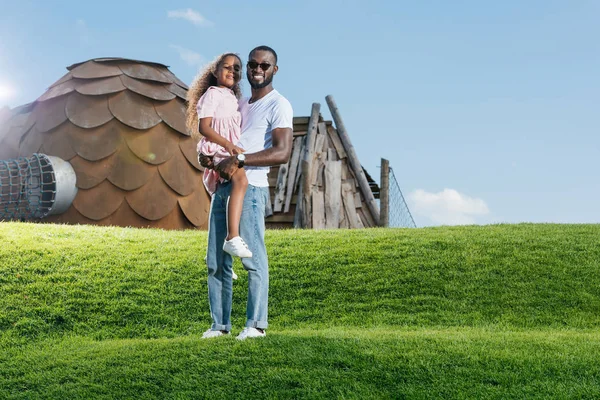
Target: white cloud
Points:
(447, 207)
(189, 56)
(190, 15)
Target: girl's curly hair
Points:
(200, 85)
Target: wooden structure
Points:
(121, 125)
(320, 187)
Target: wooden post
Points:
(384, 194)
(305, 200)
(353, 159)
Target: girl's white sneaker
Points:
(237, 247)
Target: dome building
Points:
(120, 123)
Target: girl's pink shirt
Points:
(222, 105)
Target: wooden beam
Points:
(318, 209)
(306, 203)
(337, 143)
(353, 159)
(280, 187)
(333, 194)
(384, 196)
(291, 182)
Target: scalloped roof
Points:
(121, 124)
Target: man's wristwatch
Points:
(241, 158)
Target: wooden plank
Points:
(321, 173)
(316, 160)
(318, 209)
(298, 212)
(307, 166)
(349, 207)
(300, 120)
(280, 218)
(293, 168)
(353, 159)
(337, 143)
(299, 133)
(299, 168)
(332, 155)
(357, 200)
(366, 218)
(333, 194)
(282, 178)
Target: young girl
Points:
(213, 114)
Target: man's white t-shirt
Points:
(258, 120)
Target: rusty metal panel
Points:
(129, 172)
(100, 201)
(58, 143)
(174, 78)
(196, 207)
(134, 110)
(173, 113)
(50, 114)
(178, 90)
(58, 90)
(156, 91)
(155, 145)
(144, 71)
(178, 175)
(71, 216)
(90, 173)
(97, 143)
(96, 87)
(31, 142)
(188, 148)
(154, 200)
(92, 69)
(65, 78)
(88, 111)
(9, 146)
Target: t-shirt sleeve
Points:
(208, 103)
(283, 115)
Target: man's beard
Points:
(266, 82)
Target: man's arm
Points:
(279, 153)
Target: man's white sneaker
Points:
(250, 333)
(237, 247)
(209, 334)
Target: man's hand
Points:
(227, 167)
(233, 149)
(206, 161)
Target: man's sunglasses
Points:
(264, 66)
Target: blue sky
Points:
(488, 111)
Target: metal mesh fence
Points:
(399, 214)
(27, 188)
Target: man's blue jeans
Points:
(252, 230)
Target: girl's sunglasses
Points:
(264, 66)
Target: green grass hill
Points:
(492, 312)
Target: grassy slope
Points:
(465, 312)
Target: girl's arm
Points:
(205, 128)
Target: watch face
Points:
(241, 157)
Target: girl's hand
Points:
(233, 149)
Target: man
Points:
(267, 140)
